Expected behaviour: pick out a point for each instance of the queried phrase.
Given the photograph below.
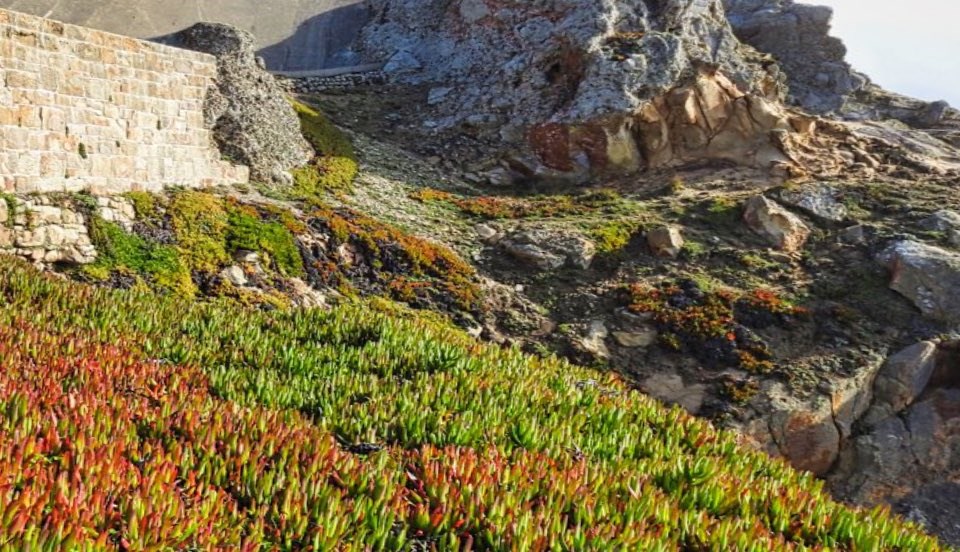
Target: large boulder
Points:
(903, 452)
(909, 443)
(589, 86)
(927, 275)
(903, 378)
(252, 120)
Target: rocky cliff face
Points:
(798, 35)
(576, 90)
(590, 87)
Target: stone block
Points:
(21, 79)
(27, 164)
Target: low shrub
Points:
(130, 421)
(714, 326)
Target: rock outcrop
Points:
(928, 276)
(798, 36)
(590, 87)
(252, 121)
(546, 249)
(910, 442)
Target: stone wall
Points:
(84, 110)
(292, 35)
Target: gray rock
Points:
(666, 241)
(851, 397)
(942, 221)
(547, 249)
(594, 340)
(855, 235)
(235, 275)
(945, 221)
(904, 452)
(934, 113)
(501, 177)
(926, 275)
(644, 337)
(780, 227)
(487, 233)
(252, 121)
(935, 507)
(880, 455)
(671, 389)
(902, 379)
(819, 200)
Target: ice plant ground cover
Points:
(130, 421)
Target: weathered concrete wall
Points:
(293, 35)
(84, 110)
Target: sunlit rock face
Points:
(590, 87)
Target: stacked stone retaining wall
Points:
(85, 110)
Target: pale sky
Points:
(910, 47)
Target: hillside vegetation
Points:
(130, 421)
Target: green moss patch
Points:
(121, 252)
(248, 230)
(200, 224)
(613, 236)
(335, 165)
